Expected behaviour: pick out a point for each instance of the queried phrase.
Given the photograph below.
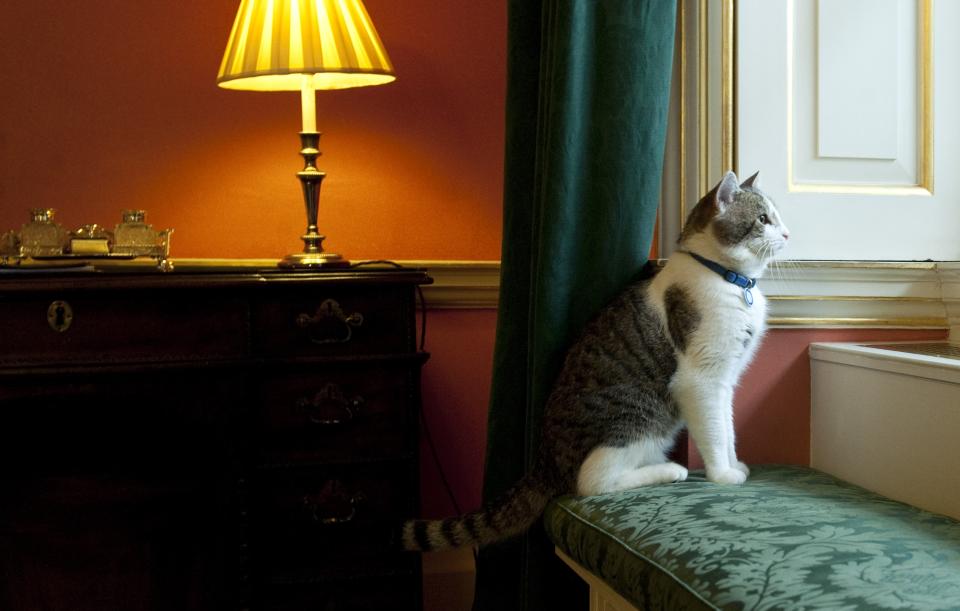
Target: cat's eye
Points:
(764, 219)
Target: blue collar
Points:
(730, 276)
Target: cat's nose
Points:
(786, 234)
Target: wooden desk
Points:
(241, 439)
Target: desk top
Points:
(213, 273)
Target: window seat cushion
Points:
(790, 537)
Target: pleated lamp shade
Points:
(274, 43)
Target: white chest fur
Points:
(715, 336)
(728, 327)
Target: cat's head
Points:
(737, 225)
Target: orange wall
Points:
(112, 104)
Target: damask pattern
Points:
(789, 538)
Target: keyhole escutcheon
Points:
(59, 316)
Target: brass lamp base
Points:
(310, 177)
(309, 260)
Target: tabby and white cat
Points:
(665, 353)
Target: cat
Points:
(667, 352)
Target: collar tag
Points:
(748, 296)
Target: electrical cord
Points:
(423, 303)
(428, 437)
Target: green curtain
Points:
(587, 98)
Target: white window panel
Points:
(850, 108)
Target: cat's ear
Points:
(753, 181)
(726, 191)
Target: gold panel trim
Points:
(682, 192)
(912, 323)
(919, 265)
(702, 97)
(870, 298)
(924, 186)
(727, 93)
(728, 79)
(926, 93)
(918, 190)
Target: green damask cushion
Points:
(789, 538)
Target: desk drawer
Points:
(336, 321)
(336, 412)
(332, 519)
(81, 328)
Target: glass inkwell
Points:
(42, 237)
(135, 237)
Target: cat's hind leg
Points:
(612, 469)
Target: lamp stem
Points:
(308, 103)
(310, 180)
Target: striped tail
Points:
(510, 515)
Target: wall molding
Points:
(841, 294)
(461, 284)
(856, 294)
(950, 284)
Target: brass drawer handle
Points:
(333, 504)
(329, 406)
(59, 316)
(329, 324)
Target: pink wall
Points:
(456, 390)
(772, 401)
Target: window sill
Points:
(918, 295)
(887, 420)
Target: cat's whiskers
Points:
(777, 266)
(766, 250)
(783, 271)
(779, 271)
(795, 268)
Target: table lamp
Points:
(305, 45)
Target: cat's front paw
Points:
(726, 476)
(743, 468)
(674, 472)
